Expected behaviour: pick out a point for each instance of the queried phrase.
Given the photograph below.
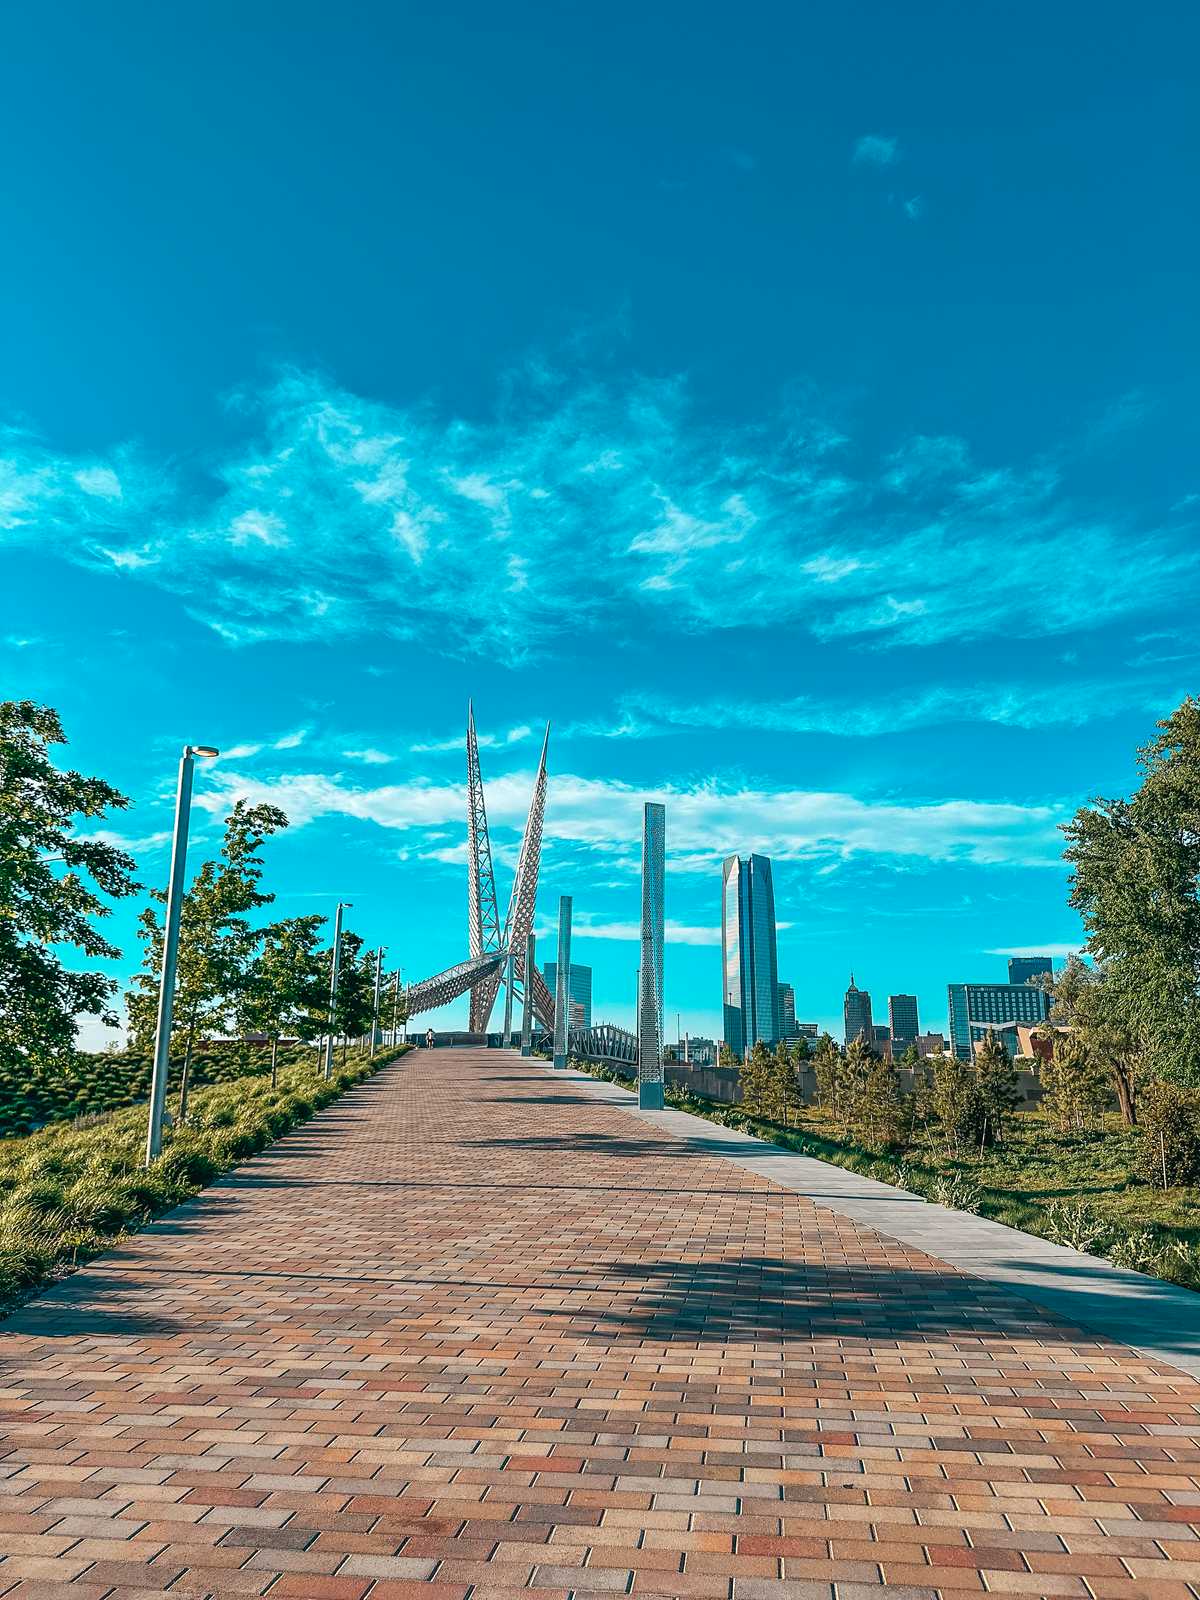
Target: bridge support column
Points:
(650, 981)
(527, 1007)
(562, 985)
(506, 1036)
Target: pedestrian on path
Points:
(429, 1038)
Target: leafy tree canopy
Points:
(216, 942)
(54, 886)
(1136, 883)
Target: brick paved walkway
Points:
(472, 1332)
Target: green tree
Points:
(957, 1103)
(785, 1086)
(727, 1057)
(216, 943)
(54, 884)
(911, 1056)
(355, 1003)
(883, 1122)
(1074, 1085)
(827, 1068)
(1089, 1000)
(858, 1063)
(283, 987)
(998, 1092)
(1136, 883)
(757, 1081)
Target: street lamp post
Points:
(342, 905)
(166, 989)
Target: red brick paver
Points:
(472, 1333)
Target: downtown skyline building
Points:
(579, 991)
(979, 1008)
(903, 1021)
(787, 1012)
(1022, 968)
(749, 954)
(856, 1013)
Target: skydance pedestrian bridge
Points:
(483, 1329)
(490, 943)
(498, 951)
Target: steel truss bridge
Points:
(496, 950)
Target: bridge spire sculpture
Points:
(491, 944)
(483, 916)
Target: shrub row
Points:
(67, 1192)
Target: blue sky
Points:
(796, 406)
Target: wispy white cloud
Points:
(134, 844)
(631, 932)
(876, 150)
(291, 741)
(486, 741)
(705, 822)
(1057, 950)
(586, 503)
(370, 757)
(1017, 706)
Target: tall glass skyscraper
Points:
(749, 958)
(579, 990)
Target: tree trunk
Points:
(1125, 1095)
(187, 1070)
(274, 1061)
(345, 1047)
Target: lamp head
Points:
(205, 750)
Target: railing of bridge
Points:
(604, 1042)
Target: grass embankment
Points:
(1079, 1191)
(94, 1083)
(68, 1191)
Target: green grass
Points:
(94, 1083)
(68, 1191)
(1078, 1191)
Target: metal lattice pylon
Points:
(482, 972)
(518, 921)
(518, 924)
(483, 915)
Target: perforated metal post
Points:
(562, 987)
(527, 1009)
(650, 983)
(506, 1036)
(376, 1035)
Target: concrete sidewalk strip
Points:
(482, 1329)
(1158, 1319)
